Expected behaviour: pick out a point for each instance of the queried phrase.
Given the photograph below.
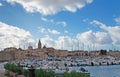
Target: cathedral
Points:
(38, 52)
(38, 48)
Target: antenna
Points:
(19, 45)
(62, 45)
(78, 44)
(24, 47)
(72, 47)
(83, 46)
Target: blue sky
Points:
(57, 23)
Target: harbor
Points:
(60, 65)
(57, 63)
(95, 71)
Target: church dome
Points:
(30, 47)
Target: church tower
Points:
(39, 45)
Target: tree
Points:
(103, 52)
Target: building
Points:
(79, 53)
(12, 53)
(8, 54)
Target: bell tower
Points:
(39, 45)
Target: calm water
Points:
(103, 71)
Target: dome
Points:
(30, 47)
(44, 46)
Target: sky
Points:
(62, 24)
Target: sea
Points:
(95, 71)
(102, 71)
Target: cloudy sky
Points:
(62, 24)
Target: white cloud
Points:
(87, 37)
(99, 38)
(113, 31)
(66, 31)
(11, 36)
(1, 4)
(47, 40)
(66, 41)
(42, 30)
(44, 19)
(46, 7)
(61, 23)
(84, 40)
(103, 38)
(117, 20)
(95, 22)
(63, 42)
(85, 20)
(53, 31)
(48, 31)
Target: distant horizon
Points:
(61, 24)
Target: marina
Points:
(95, 71)
(60, 38)
(62, 65)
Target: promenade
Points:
(2, 74)
(2, 70)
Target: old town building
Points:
(12, 53)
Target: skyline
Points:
(62, 24)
